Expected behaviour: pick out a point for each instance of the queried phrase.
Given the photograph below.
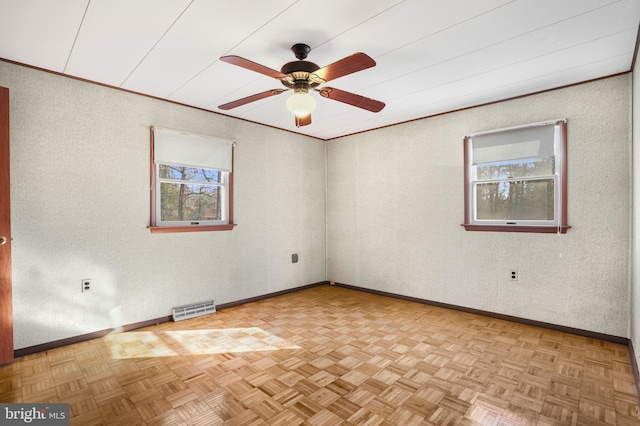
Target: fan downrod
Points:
(301, 50)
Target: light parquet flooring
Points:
(333, 356)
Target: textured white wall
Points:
(635, 259)
(395, 205)
(80, 209)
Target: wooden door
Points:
(6, 309)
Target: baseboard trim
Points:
(550, 326)
(43, 347)
(269, 295)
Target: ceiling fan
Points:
(302, 76)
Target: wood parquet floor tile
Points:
(333, 356)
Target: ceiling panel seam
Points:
(156, 43)
(75, 39)
(233, 47)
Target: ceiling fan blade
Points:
(345, 66)
(303, 121)
(250, 65)
(251, 98)
(351, 99)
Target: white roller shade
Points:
(191, 150)
(513, 144)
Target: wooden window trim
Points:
(508, 228)
(174, 229)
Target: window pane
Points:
(189, 174)
(540, 166)
(189, 202)
(516, 200)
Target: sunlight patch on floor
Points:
(150, 344)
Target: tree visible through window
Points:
(516, 190)
(190, 194)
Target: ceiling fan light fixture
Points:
(301, 103)
(302, 76)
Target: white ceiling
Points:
(432, 56)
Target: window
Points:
(515, 179)
(191, 182)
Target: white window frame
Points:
(177, 148)
(504, 145)
(223, 185)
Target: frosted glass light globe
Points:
(301, 103)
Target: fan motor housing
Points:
(304, 66)
(299, 72)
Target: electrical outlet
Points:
(513, 275)
(86, 285)
(294, 258)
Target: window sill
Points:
(510, 228)
(175, 229)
